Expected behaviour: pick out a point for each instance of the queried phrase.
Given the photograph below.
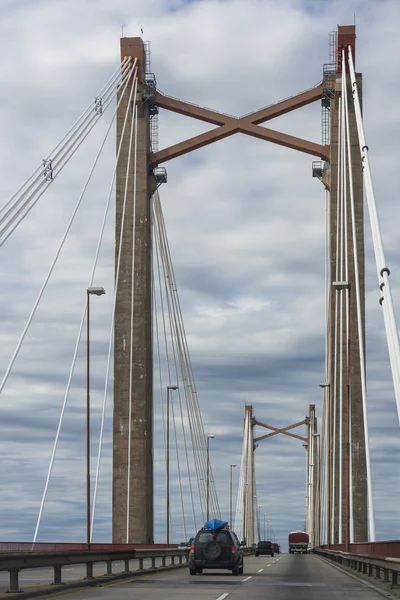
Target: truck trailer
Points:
(298, 542)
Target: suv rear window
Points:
(205, 537)
(264, 544)
(222, 537)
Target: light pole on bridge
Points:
(264, 538)
(91, 291)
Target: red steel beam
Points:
(248, 124)
(284, 430)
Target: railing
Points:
(386, 569)
(382, 548)
(71, 546)
(14, 563)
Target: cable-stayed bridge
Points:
(147, 347)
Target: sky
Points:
(245, 221)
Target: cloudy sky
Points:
(245, 222)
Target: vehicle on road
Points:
(264, 548)
(215, 546)
(277, 549)
(298, 542)
(186, 544)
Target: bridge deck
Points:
(284, 577)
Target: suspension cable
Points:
(332, 524)
(50, 469)
(53, 263)
(133, 91)
(190, 379)
(160, 249)
(52, 168)
(386, 300)
(115, 75)
(45, 172)
(135, 128)
(371, 517)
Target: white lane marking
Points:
(268, 565)
(260, 571)
(222, 597)
(247, 578)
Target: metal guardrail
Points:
(386, 569)
(14, 563)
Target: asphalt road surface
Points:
(284, 577)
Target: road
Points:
(284, 577)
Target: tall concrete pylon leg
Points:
(133, 523)
(249, 479)
(346, 36)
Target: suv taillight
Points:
(233, 549)
(192, 549)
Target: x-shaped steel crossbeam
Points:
(284, 430)
(248, 124)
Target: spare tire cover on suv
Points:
(212, 550)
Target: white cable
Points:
(111, 325)
(128, 483)
(115, 75)
(157, 223)
(371, 517)
(75, 351)
(69, 136)
(341, 365)
(383, 271)
(180, 329)
(347, 290)
(325, 438)
(51, 269)
(332, 525)
(174, 335)
(45, 184)
(351, 479)
(179, 470)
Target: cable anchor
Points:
(48, 169)
(98, 105)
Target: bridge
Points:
(145, 360)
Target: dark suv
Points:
(264, 548)
(276, 548)
(216, 550)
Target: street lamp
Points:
(264, 529)
(259, 521)
(329, 462)
(209, 437)
(91, 291)
(169, 388)
(317, 517)
(230, 496)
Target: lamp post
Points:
(209, 437)
(169, 388)
(317, 494)
(259, 522)
(329, 459)
(91, 291)
(339, 286)
(230, 496)
(264, 529)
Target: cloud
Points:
(245, 222)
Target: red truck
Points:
(298, 542)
